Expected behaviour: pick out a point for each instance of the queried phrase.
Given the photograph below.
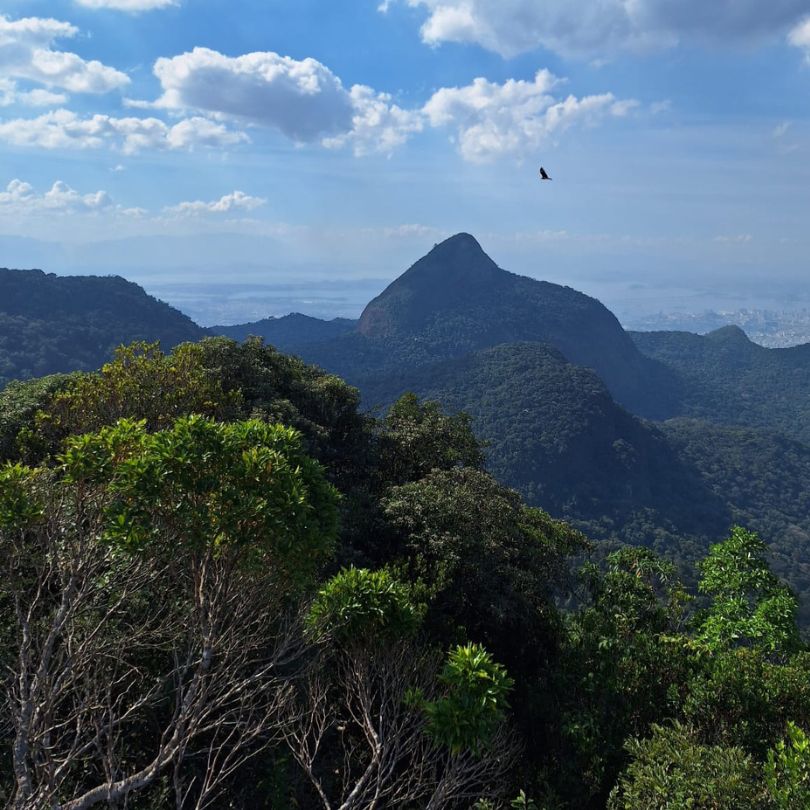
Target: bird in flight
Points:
(543, 175)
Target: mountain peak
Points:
(455, 269)
(731, 334)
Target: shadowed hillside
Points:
(52, 323)
(726, 378)
(456, 300)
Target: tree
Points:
(787, 770)
(417, 438)
(624, 666)
(361, 731)
(750, 606)
(377, 724)
(149, 575)
(140, 382)
(491, 564)
(671, 771)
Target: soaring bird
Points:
(543, 175)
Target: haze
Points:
(247, 158)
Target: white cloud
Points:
(734, 239)
(229, 203)
(377, 124)
(303, 99)
(128, 5)
(414, 230)
(10, 94)
(492, 120)
(63, 129)
(26, 52)
(586, 27)
(20, 197)
(800, 36)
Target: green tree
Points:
(473, 706)
(749, 605)
(671, 771)
(490, 563)
(740, 698)
(148, 576)
(141, 383)
(625, 666)
(787, 770)
(417, 438)
(357, 605)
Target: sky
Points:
(242, 158)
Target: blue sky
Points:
(311, 144)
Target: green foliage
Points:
(418, 438)
(787, 770)
(741, 698)
(749, 604)
(489, 563)
(246, 485)
(671, 771)
(358, 606)
(728, 379)
(19, 506)
(19, 403)
(523, 802)
(474, 703)
(141, 382)
(52, 323)
(625, 665)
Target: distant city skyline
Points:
(326, 146)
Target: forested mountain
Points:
(52, 323)
(289, 333)
(456, 300)
(554, 433)
(724, 377)
(551, 381)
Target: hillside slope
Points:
(555, 434)
(724, 377)
(456, 300)
(52, 323)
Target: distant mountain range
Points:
(294, 331)
(771, 328)
(560, 391)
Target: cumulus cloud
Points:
(303, 99)
(492, 120)
(584, 27)
(378, 125)
(128, 5)
(800, 36)
(21, 198)
(229, 203)
(10, 94)
(27, 52)
(64, 129)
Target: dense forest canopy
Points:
(225, 585)
(52, 323)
